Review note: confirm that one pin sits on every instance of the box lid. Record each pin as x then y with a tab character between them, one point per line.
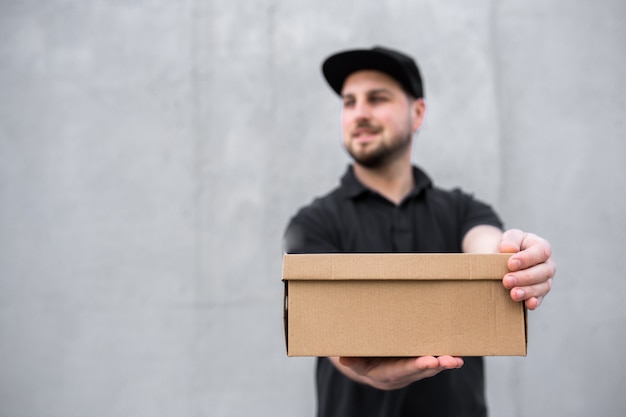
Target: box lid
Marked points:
395	266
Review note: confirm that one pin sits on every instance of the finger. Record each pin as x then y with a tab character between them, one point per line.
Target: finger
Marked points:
426	367
531	276
346	361
422	363
531	291
405	370
450	362
511	241
533	302
534	250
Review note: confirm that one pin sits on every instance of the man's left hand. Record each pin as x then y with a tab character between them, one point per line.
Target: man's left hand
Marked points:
531	265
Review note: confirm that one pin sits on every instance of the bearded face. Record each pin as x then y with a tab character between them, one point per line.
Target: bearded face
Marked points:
381	149
378	119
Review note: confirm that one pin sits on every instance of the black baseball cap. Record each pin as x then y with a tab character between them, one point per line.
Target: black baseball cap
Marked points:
397	65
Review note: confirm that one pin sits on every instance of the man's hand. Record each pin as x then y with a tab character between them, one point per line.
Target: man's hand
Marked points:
394	373
531	265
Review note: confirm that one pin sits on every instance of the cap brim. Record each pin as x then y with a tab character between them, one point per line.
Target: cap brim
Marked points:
338	67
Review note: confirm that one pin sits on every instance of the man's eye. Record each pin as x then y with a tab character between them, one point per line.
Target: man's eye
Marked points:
348	103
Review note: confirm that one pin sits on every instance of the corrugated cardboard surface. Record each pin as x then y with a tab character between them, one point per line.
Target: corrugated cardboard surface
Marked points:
400	305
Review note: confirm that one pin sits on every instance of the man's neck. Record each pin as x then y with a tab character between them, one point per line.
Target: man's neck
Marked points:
394	182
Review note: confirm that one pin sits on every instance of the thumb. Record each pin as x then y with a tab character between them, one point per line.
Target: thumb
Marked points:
511	241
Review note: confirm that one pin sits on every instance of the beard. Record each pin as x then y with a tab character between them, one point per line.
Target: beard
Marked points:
383	154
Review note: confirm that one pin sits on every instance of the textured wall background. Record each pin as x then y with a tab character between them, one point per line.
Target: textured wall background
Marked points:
151	153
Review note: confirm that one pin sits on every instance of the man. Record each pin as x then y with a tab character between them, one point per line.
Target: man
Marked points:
385	204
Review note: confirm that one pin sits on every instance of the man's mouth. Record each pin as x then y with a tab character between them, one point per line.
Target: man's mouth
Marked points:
365	132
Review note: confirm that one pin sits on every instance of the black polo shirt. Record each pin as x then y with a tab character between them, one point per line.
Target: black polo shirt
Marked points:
353	218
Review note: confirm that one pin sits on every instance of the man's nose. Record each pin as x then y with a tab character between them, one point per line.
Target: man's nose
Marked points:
362	110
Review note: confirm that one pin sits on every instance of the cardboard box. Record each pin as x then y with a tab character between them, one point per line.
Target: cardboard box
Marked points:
400	305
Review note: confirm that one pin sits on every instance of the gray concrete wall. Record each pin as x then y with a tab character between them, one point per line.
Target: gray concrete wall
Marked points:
151	153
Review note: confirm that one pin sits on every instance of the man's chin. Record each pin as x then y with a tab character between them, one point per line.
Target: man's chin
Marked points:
368	161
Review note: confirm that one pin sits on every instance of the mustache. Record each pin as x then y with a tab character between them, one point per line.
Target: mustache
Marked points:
365	125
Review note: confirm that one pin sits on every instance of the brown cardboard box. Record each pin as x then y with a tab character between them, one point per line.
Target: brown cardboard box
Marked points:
400	305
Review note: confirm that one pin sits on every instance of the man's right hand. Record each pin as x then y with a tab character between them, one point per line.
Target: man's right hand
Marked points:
394	373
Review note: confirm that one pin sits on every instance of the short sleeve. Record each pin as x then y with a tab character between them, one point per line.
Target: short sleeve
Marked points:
473	212
311	231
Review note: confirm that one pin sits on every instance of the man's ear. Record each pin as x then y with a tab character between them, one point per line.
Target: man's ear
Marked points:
419	113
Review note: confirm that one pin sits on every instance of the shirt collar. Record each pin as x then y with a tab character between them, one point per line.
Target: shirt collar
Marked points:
354	188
